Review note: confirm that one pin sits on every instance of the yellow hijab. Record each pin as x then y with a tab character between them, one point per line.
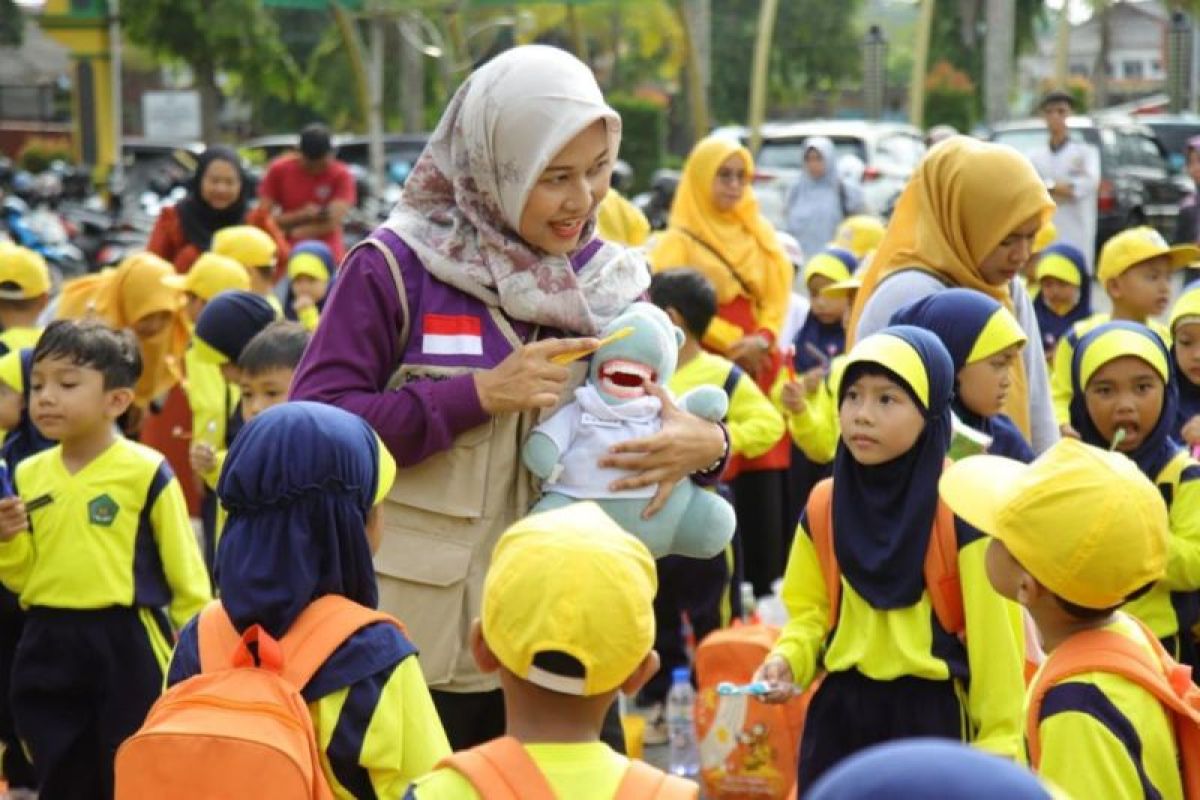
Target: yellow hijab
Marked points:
741	237
963	199
122	296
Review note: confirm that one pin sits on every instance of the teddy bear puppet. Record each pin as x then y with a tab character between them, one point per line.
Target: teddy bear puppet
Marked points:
613	406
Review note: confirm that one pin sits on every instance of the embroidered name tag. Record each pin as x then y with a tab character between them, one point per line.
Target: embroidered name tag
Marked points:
452	335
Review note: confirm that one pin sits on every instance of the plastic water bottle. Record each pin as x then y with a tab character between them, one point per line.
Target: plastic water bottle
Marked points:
684	759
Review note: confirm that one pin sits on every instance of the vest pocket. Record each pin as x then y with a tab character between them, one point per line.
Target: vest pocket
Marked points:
422	581
452	483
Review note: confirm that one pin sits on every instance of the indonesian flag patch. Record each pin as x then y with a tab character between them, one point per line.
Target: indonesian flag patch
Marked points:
452	335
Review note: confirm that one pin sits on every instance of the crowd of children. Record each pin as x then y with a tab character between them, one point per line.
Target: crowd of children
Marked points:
942	579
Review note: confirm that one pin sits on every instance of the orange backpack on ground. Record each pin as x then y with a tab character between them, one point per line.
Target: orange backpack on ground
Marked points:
240	729
748	749
941	560
1156	672
503	770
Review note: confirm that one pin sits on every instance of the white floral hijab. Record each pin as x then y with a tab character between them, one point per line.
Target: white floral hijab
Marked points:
463	201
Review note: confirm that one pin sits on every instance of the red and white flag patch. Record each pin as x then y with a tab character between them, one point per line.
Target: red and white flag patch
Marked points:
452	335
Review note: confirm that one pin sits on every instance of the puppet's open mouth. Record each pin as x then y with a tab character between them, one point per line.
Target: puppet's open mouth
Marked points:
624	379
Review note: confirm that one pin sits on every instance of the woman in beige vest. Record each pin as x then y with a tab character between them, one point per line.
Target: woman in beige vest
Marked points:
442	330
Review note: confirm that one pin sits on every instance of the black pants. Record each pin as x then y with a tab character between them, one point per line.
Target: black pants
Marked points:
851	712
758	501
82	684
697	586
15	766
472	718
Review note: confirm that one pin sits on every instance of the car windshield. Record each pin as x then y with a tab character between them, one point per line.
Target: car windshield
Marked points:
1174	136
787	153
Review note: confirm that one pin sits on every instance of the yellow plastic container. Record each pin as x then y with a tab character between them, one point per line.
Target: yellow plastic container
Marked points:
635	731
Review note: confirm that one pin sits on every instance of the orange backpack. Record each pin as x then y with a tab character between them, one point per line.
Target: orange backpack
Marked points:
1156	672
240	729
503	770
748	749
941	560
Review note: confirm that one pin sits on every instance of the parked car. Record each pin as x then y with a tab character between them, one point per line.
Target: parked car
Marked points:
879	155
1137	186
1173	132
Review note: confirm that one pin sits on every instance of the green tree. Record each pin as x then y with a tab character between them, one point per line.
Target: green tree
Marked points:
12	24
236	37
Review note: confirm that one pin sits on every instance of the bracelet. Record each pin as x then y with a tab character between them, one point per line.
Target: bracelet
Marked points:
713	467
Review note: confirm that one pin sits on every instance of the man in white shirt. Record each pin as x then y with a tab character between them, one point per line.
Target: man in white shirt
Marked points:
1071	169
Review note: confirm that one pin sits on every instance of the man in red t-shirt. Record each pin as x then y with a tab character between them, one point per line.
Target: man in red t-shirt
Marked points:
309	193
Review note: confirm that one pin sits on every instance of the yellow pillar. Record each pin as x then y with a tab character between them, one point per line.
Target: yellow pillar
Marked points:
84	33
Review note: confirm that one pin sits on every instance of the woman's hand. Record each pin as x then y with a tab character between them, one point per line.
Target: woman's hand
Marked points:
527	378
1191	431
777	673
751	353
685	445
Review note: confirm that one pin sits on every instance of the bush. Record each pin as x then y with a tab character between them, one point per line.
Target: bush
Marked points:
38	151
949	98
644	136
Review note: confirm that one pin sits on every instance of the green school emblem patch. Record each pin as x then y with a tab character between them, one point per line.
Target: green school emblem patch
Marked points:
102	511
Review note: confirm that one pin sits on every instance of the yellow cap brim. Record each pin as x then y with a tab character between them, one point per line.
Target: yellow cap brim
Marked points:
842	288
1001	332
180	282
387	471
1054	265
1183	255
897	355
827	266
207	353
975	488
308	265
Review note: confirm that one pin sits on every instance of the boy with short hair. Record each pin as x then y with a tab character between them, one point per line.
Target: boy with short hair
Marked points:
24	293
1135	270
267	365
567	622
96	541
1076	534
701	586
255	250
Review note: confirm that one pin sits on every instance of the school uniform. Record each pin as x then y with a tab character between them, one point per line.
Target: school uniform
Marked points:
1104	736
109	548
19	338
891	669
1171	607
584	771
1066	263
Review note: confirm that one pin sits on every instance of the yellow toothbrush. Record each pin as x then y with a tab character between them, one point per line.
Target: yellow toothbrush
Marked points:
575	355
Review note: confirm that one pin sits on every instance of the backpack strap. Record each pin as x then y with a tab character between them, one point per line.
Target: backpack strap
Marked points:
320	629
942	579
1108	651
501	770
394	267
644	782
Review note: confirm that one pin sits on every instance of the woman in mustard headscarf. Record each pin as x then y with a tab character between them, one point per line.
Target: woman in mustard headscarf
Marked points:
134	297
716	228
968	219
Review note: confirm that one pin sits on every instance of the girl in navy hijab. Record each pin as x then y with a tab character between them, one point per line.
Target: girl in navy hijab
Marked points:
983	338
1064	293
891	669
303	485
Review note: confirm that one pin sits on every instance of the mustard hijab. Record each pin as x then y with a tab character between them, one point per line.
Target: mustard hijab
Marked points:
122	296
964	198
754	263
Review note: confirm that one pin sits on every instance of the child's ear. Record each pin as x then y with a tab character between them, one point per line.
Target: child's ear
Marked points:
118	401
1028	589
644	672
484	657
1112	287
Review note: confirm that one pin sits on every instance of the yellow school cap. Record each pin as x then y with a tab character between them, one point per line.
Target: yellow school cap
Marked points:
387	471
25	269
1118	342
842	288
570	581
1132	247
249	246
1187	309
308	264
896	355
860	234
10	371
833	263
210	275
1086	523
1056	265
999	333
1045	236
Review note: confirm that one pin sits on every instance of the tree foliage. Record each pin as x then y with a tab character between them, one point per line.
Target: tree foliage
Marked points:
12	24
959	29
